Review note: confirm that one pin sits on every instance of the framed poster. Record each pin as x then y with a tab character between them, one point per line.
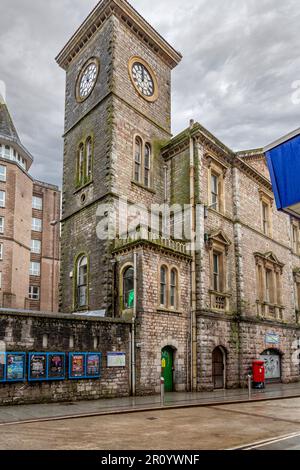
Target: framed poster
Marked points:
15	367
2	366
116	359
93	365
56	366
77	365
37	367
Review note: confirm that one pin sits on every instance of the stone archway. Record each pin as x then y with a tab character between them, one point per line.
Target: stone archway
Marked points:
219	366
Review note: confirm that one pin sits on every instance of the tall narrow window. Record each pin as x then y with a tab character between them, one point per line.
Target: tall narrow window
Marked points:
216	272
81	164
82	281
163	286
2	172
214	192
1	224
89	158
1	251
173	288
295	231
2	198
269	286
265	218
147	165
137	160
128	288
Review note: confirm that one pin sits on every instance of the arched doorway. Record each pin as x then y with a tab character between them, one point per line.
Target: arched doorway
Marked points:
167	359
219	368
272	359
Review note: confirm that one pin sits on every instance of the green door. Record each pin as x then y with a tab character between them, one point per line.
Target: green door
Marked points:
167	368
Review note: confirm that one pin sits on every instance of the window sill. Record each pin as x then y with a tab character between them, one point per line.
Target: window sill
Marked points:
142	186
80	188
168	310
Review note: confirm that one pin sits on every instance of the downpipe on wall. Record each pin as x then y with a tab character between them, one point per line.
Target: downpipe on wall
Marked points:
133	365
193	266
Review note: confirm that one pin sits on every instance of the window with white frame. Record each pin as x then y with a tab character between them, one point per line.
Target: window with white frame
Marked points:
36	246
36	225
1	224
34	293
2	198
37	203
3	173
1	251
35	268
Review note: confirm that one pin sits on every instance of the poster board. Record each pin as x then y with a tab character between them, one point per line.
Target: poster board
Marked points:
116	359
93	365
84	365
37	367
56	366
15	367
2	366
46	366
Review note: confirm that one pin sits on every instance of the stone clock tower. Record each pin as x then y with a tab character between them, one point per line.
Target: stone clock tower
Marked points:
118	96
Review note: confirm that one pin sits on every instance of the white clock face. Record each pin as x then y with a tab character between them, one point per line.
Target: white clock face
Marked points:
143	79
87	80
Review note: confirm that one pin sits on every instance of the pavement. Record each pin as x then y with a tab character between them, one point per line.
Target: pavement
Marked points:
198	428
64	410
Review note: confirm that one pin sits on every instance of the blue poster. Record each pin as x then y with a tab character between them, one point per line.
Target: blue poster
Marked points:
15	367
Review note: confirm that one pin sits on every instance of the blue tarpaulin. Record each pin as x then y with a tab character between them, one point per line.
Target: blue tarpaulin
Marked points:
283	158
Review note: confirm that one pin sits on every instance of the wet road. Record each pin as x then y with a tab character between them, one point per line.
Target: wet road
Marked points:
199	428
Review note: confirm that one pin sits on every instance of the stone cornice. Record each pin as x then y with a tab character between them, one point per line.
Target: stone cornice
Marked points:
214	146
131	18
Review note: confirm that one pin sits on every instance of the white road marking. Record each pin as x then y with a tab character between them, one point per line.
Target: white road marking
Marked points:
262	443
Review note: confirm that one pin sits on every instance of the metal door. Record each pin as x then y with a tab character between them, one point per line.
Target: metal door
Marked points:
218	368
272	366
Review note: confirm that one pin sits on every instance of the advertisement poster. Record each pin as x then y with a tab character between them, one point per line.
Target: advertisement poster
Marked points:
38	366
93	365
2	367
116	359
56	366
78	365
15	367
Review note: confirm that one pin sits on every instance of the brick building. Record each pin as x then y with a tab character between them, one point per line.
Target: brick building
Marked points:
206	313
29	228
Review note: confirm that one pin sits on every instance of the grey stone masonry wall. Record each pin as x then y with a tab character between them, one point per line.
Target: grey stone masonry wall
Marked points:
24	332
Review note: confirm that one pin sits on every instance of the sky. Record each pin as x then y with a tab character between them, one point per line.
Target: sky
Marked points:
239	75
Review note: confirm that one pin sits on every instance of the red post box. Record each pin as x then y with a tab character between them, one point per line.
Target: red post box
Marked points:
258	372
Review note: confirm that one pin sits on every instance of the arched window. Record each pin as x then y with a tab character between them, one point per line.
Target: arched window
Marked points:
173	288
81	164
82	281
128	288
163	286
89	147
137	159
147	165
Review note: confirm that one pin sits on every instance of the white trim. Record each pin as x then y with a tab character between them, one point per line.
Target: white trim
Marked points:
282	140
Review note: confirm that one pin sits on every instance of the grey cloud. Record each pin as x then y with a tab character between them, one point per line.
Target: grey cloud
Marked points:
240	60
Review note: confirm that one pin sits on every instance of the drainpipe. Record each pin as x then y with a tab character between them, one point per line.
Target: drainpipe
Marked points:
193	267
133	376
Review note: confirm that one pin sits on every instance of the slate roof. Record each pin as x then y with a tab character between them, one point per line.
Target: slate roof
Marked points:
7	127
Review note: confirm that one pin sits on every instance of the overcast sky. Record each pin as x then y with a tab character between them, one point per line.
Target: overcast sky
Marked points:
241	58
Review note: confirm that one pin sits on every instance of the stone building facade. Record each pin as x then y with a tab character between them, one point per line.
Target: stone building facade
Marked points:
205	304
29	228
